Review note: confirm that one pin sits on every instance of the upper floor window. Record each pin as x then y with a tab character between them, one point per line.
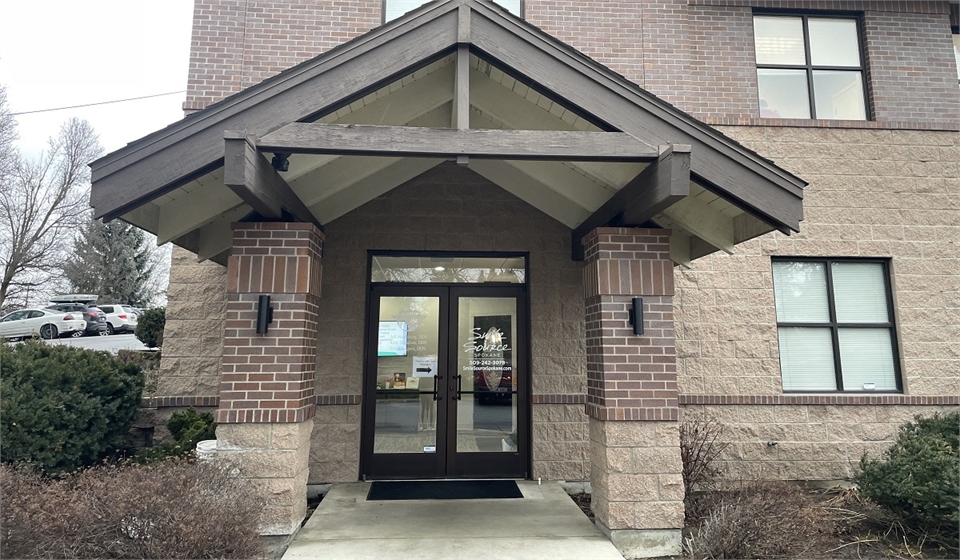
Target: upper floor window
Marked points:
835	325
809	67
392	9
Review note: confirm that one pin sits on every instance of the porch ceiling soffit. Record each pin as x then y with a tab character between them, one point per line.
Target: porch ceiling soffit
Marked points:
497	99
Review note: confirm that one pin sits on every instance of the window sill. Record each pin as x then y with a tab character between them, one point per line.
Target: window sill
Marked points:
945	125
820	399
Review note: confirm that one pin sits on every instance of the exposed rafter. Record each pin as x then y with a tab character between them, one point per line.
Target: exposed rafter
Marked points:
703	222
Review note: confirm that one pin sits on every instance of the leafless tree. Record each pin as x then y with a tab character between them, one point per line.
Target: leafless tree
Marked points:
8	138
42	203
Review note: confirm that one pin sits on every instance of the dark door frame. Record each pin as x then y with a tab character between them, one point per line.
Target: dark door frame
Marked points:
443	464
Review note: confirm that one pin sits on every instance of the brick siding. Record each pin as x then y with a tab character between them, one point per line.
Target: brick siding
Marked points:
629	377
239	43
696	54
270	377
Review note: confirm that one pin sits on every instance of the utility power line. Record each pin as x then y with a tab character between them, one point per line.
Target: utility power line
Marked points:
99	103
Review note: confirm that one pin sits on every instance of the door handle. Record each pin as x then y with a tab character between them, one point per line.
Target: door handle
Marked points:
459	387
436	387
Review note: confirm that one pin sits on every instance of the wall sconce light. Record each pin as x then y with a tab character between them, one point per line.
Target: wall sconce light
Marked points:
636	316
264	314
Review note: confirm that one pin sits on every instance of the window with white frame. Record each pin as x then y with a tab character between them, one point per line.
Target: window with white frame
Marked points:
835	325
392	9
809	67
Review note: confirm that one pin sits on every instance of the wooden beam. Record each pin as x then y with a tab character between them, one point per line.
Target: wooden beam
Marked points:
463	24
402	141
248	174
662	184
461	89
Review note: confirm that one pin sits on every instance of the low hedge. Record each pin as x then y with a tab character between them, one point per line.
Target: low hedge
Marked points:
65	408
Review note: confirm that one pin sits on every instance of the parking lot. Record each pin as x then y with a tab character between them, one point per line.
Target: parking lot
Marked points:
108	343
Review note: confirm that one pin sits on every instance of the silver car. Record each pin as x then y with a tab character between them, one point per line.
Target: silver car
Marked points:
45	323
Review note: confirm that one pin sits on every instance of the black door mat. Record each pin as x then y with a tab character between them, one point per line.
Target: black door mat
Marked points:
444	490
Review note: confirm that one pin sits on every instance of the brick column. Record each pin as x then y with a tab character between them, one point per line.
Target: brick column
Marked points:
267	398
632	391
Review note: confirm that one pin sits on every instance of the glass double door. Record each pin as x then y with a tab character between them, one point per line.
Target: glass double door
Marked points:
445	390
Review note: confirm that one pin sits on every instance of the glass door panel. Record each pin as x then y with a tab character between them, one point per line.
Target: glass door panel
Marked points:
487	403
406	410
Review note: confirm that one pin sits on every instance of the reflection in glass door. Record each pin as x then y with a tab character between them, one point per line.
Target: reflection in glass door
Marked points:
445	387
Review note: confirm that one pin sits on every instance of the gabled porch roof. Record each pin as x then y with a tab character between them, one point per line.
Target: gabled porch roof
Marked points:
455	79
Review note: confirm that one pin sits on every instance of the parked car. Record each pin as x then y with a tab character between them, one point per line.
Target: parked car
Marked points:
84	305
45	323
120	318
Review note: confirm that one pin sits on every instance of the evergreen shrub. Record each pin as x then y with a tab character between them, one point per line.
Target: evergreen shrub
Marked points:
150	327
918	477
64	408
188	428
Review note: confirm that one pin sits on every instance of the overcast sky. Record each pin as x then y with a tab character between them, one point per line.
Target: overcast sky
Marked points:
58	53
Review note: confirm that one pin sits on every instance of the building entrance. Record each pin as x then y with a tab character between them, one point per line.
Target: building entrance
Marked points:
446	385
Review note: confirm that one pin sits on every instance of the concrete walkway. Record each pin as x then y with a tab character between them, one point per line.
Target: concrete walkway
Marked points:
545	523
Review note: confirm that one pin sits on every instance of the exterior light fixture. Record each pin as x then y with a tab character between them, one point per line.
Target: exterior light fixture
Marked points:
264	314
636	316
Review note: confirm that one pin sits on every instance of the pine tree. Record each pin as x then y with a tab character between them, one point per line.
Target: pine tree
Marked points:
113	262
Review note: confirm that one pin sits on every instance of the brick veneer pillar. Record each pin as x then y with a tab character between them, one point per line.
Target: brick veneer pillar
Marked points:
632	399
267	399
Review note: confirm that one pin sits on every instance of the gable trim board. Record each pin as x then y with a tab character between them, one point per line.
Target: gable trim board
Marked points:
126	180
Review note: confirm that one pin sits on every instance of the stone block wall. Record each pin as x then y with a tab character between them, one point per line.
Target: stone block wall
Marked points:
193	338
805	442
273	457
872	193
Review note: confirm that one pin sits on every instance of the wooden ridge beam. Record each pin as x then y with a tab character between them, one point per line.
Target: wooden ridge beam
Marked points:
248	174
662	184
403	141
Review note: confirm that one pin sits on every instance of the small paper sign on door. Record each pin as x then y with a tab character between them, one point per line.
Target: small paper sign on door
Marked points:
424	366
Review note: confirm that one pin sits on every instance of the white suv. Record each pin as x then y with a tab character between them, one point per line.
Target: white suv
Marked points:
120	318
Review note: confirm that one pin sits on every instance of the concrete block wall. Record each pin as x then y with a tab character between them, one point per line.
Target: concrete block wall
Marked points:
450	208
273	458
872	193
193	338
